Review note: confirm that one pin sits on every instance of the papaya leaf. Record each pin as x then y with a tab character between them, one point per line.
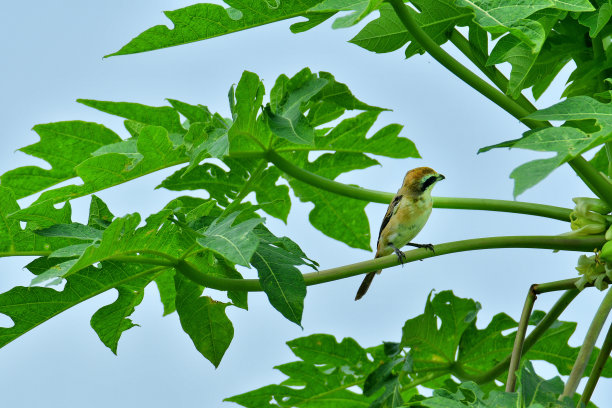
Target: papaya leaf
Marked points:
15	240
112	320
247	133
100	216
360	9
63	145
597	20
521	56
163	116
287	97
202	21
242	178
284	284
387	33
336	216
498	16
236	243
107	170
193	113
203	319
323	377
29	307
568	142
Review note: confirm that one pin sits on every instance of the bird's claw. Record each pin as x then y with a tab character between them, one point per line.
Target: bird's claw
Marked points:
401	257
426	246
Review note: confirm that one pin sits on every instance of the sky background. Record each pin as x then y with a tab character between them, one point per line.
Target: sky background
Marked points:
52	55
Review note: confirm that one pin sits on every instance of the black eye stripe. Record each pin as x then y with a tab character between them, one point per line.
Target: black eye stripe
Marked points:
430	180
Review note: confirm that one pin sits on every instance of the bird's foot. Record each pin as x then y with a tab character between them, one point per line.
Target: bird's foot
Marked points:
401	257
426	246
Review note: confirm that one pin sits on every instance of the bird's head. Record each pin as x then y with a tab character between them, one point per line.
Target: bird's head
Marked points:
421	180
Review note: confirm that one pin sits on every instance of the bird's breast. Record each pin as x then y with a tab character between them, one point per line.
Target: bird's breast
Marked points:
409	217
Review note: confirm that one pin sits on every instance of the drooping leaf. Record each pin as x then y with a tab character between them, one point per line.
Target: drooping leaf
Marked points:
63	145
29	307
112	320
202	21
203	319
282	282
74	230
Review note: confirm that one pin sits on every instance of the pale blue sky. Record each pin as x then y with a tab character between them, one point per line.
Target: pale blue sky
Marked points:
52	55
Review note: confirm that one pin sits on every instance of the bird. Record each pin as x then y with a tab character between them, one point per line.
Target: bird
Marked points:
406	216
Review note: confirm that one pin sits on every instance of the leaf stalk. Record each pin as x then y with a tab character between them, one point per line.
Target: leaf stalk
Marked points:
515	357
587	346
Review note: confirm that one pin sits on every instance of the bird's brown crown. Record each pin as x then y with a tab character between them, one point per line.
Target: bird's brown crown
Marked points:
413	181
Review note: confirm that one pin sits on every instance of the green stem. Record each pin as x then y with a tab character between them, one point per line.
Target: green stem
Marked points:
360	193
587	346
459	70
424	379
517	349
327	184
609	156
581	244
143	260
585	171
591	177
598	367
533	337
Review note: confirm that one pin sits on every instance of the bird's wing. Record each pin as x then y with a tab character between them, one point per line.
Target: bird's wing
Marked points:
389	213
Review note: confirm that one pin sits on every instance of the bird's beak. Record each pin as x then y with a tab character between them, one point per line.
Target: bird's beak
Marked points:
441	177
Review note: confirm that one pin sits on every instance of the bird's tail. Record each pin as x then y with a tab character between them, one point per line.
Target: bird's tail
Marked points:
365	284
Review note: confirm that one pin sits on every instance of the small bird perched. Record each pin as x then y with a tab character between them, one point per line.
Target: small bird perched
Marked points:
405	217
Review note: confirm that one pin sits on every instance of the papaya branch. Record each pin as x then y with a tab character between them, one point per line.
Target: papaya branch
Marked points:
580	244
541	210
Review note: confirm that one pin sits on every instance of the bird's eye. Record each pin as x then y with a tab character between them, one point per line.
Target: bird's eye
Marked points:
428	182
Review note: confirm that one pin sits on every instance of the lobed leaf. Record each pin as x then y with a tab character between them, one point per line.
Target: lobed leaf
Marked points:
63	145
107	170
500	16
29	307
203	319
202	21
387	33
237	243
338	217
322	378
